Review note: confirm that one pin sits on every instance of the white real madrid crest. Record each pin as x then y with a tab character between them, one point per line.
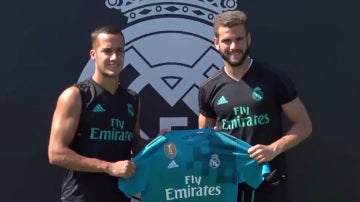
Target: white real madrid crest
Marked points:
170	44
214	161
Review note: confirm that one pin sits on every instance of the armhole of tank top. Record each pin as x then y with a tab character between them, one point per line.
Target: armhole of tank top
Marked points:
86	100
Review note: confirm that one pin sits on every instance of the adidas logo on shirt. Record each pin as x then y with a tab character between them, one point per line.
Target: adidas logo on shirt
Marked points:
98	108
222	101
173	164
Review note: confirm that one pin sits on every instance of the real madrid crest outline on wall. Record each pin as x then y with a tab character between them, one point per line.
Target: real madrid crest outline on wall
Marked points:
170	44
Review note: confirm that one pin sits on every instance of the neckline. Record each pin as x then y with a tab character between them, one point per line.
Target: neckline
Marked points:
247	69
103	88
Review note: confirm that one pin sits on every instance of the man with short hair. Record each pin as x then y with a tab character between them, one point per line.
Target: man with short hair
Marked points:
95	126
247	99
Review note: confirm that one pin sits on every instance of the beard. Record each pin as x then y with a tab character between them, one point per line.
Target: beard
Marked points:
226	57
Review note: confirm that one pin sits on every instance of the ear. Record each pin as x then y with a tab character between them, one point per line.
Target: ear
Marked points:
92	54
216	42
248	38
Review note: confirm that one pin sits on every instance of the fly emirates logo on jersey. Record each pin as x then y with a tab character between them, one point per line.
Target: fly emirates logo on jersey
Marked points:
244	118
115	133
193	189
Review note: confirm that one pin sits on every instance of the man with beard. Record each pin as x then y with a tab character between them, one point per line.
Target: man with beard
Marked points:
247	99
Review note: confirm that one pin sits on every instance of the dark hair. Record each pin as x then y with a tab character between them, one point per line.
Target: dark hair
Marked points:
107	29
229	19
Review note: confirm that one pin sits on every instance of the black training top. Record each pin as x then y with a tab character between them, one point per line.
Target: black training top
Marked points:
249	109
105	132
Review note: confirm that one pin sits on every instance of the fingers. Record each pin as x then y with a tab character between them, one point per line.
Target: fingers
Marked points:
128	174
253	149
123	169
129	169
259	158
261	153
257	153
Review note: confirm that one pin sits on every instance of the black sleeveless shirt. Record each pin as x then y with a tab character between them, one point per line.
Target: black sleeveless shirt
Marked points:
105	132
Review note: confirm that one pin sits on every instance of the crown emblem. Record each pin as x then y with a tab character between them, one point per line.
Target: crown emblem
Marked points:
204	10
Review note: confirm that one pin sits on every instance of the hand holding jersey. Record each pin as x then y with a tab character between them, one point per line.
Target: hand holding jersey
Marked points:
124	169
262	153
248	99
95	126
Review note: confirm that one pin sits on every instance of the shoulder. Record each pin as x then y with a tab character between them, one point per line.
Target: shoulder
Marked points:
268	70
279	79
84	85
70	97
213	80
128	94
131	92
261	66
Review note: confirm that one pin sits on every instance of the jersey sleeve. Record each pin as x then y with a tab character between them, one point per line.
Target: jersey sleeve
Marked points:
204	102
254	173
138	182
250	171
286	87
135	184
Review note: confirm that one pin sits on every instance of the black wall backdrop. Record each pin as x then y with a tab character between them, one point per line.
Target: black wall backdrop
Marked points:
45	46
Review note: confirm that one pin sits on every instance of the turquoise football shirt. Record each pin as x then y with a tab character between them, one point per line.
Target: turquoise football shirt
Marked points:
193	165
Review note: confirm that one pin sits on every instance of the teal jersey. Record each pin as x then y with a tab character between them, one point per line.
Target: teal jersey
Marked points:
193	165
